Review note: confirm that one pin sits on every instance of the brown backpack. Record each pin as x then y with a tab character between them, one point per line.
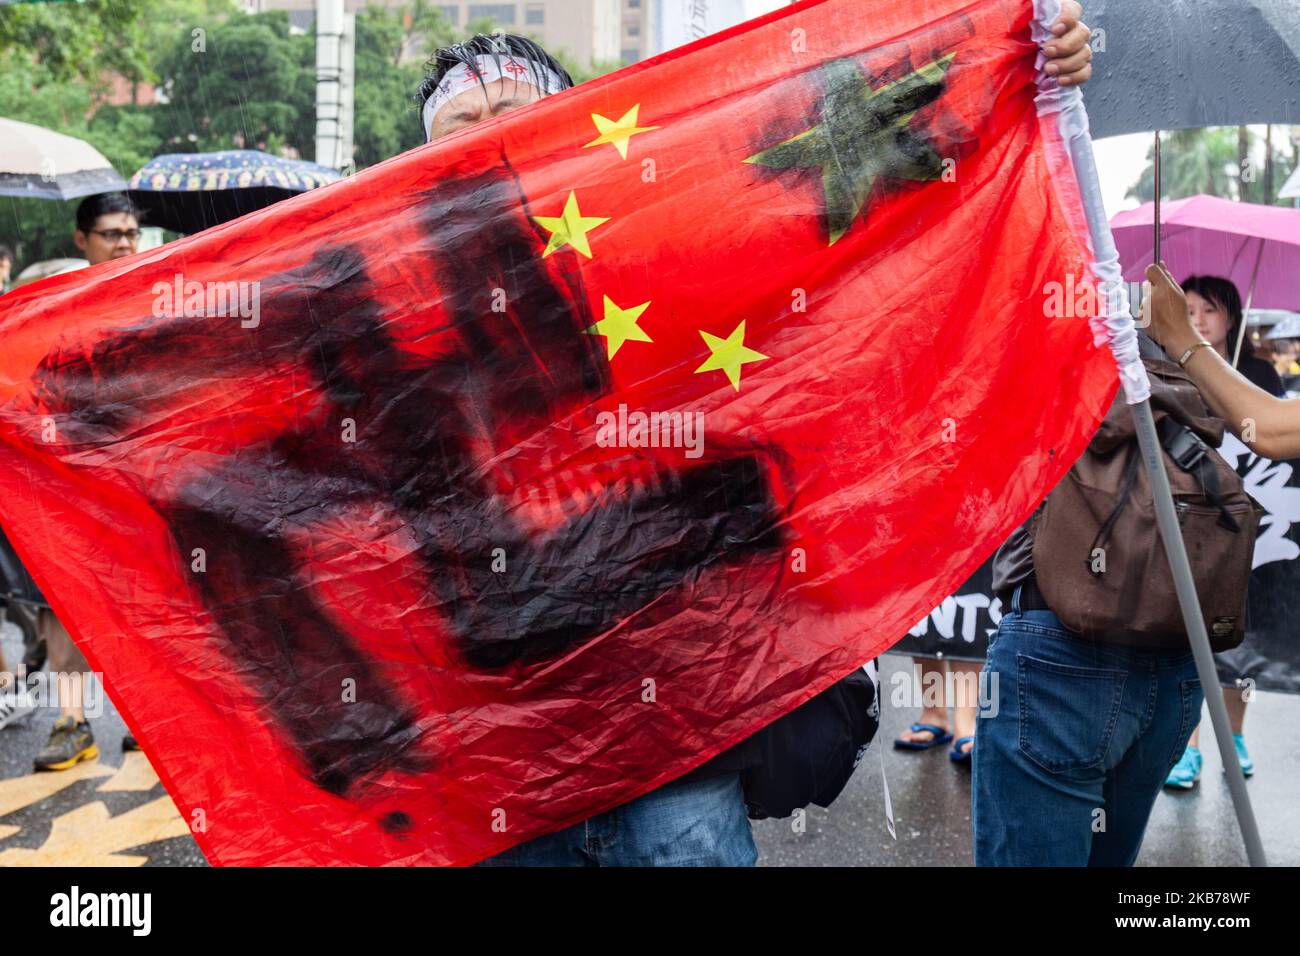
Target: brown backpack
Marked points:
1099	561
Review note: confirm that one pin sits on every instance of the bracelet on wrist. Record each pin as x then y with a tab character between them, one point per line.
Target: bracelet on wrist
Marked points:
1202	344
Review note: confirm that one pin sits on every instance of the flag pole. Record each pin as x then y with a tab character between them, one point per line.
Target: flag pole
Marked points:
1065	107
1245	312
1155	219
1185	585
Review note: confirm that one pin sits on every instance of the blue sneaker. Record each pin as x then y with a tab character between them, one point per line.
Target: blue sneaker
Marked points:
1186	772
1243	755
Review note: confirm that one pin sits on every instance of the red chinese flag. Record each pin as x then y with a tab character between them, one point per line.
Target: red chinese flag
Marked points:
456	502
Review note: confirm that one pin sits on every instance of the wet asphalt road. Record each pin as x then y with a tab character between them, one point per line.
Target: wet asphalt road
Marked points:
92	815
931	802
116	806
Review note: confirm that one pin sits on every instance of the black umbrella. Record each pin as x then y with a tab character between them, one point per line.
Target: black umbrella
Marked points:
1184	64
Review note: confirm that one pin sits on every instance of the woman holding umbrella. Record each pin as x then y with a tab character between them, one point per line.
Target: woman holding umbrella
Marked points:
1214	307
1269	425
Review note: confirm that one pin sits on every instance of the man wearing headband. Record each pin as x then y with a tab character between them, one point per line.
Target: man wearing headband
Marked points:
484	77
699	819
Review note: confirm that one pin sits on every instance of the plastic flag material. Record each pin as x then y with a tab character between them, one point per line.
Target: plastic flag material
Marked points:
486	490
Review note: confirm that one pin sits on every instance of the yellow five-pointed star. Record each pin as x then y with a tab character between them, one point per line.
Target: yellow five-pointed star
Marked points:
570	228
729	354
619	326
617	132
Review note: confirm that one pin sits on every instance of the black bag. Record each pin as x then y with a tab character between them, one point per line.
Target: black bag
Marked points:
15	583
809	754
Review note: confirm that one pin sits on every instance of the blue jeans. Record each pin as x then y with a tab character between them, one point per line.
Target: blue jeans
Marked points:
701	823
1068	767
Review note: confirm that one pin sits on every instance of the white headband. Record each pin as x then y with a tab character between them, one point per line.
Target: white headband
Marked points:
489	69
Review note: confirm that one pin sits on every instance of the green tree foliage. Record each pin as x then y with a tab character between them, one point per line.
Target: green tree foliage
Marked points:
247	83
56	63
1209	161
391	46
65	101
225	80
77	40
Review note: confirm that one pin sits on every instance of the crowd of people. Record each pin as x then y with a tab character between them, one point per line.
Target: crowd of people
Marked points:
1084	723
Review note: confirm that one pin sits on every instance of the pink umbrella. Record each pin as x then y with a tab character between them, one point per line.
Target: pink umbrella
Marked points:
1257	247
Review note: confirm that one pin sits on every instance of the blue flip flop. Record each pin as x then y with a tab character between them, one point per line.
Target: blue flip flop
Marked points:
957	755
940	736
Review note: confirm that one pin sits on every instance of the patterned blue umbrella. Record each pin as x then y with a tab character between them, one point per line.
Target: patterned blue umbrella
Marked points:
188	192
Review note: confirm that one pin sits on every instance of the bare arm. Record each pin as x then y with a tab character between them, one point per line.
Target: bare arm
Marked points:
1269	425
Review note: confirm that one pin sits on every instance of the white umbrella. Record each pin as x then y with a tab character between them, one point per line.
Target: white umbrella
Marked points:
1287	328
38	163
47	268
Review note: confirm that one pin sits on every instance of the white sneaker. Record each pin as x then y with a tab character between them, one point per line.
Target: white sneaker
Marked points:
15	705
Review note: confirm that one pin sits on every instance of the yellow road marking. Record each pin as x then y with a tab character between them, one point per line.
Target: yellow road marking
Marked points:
89	836
134	774
20	792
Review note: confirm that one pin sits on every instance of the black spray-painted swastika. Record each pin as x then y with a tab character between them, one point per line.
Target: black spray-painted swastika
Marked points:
419	422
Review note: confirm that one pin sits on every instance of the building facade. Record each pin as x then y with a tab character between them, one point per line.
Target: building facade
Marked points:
601	31
589	30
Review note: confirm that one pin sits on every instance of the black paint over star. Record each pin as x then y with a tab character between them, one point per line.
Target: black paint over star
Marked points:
863	134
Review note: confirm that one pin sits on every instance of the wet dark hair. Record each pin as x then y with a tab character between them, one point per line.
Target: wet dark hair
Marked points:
1223	293
6	253
103	204
449	57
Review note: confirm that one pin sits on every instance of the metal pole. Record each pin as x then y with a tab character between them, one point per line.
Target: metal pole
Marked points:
347	89
1245	312
1156	255
1176	552
329	34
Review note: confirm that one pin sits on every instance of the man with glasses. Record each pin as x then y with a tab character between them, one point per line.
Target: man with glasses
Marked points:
107	228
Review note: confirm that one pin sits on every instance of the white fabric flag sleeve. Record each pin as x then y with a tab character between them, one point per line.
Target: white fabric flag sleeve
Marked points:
1111	321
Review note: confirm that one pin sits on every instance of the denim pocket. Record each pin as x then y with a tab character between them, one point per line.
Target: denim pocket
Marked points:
1067	713
1192	697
